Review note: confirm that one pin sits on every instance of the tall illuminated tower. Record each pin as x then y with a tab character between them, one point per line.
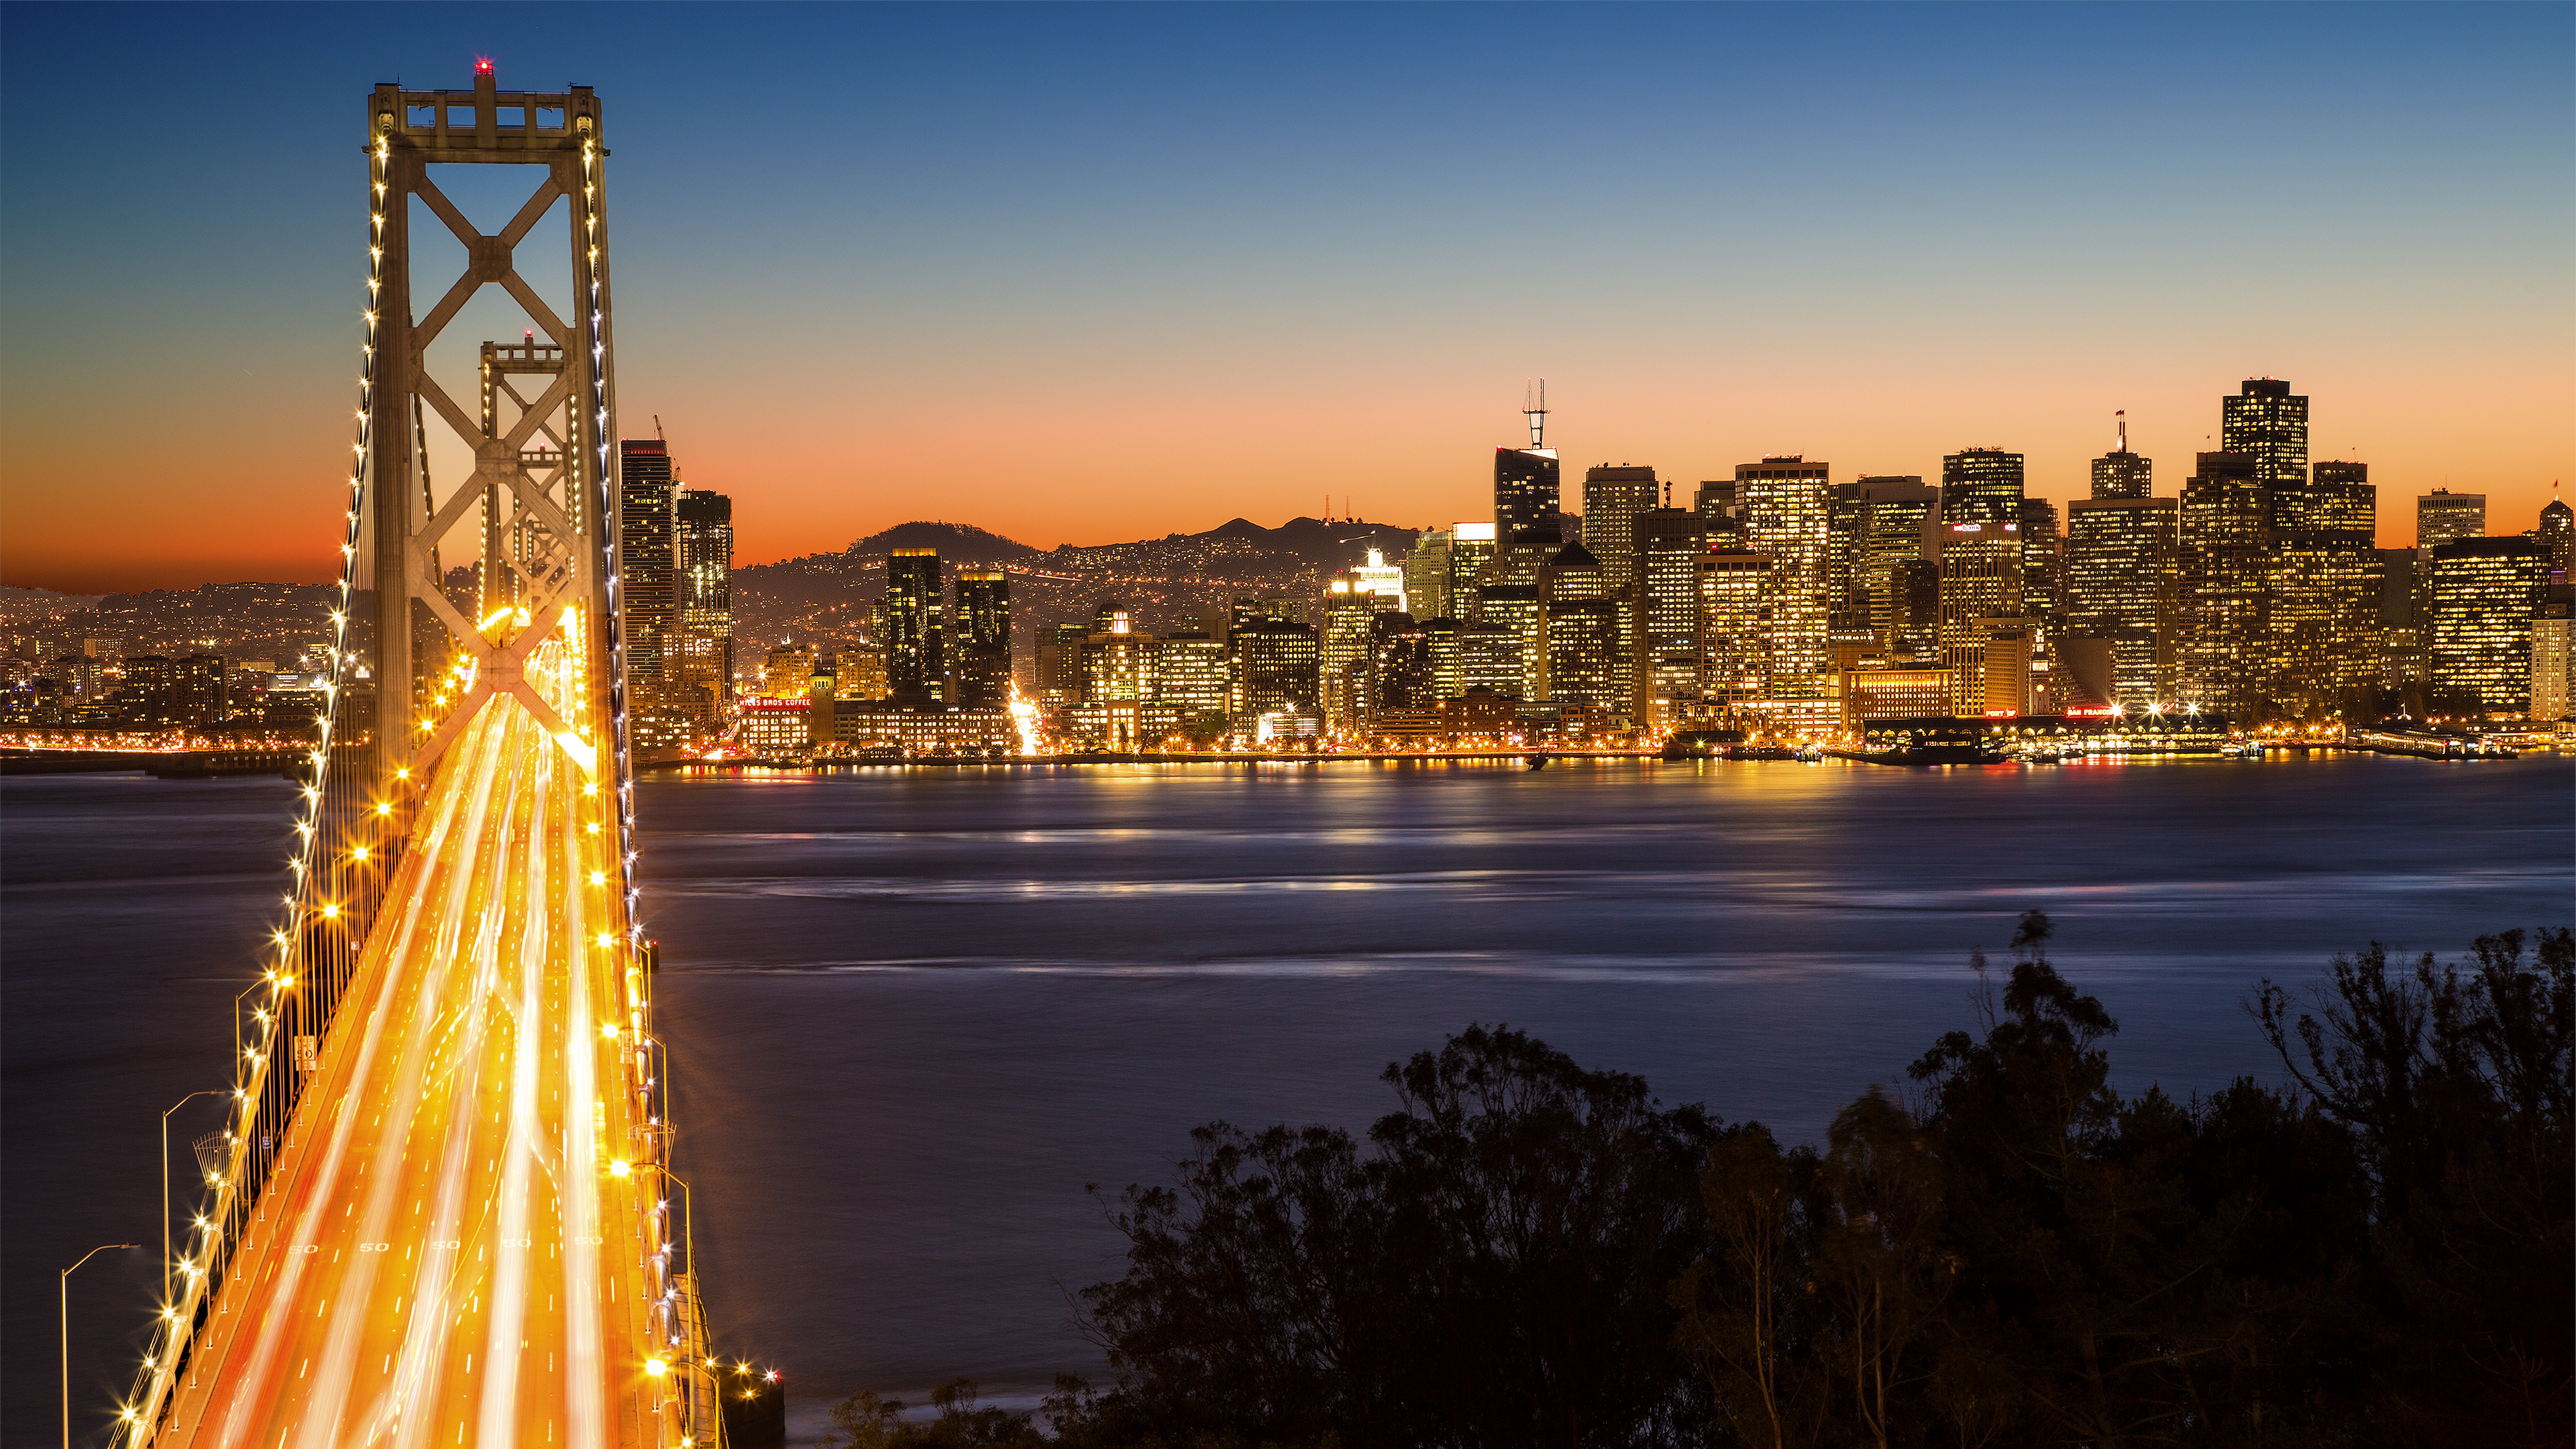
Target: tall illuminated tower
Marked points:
983	638
2268	423
702	676
1614	498
915	664
1981	560
644	518
1787	508
2121	473
2225	549
1526	480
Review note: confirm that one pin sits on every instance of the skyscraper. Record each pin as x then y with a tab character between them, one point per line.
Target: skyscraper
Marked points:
2267	423
2223	576
1899	518
2443	516
916	662
1981	494
983	638
1526	479
1349	603
1614	498
1786	502
648	604
2485	592
2121	473
1735	654
1585	623
2322	606
1426	575
1471	548
703	667
1669	544
1271	659
2557	534
2120	589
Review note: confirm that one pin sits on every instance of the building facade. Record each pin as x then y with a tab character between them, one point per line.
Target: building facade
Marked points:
1981	497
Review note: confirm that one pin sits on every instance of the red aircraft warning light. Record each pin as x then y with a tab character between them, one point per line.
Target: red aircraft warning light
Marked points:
482	65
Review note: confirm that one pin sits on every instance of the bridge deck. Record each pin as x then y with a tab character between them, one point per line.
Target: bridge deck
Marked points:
451	1250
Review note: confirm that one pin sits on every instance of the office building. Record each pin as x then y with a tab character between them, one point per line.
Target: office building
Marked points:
1517	609
1426	575
1471	551
1525	490
2264	421
859	675
2122	473
2485	592
1059	665
2321	610
1897	524
1669	544
2401	580
2222	577
1118	662
2553	669
915	631
788	672
1386	580
2557	535
1398	695
701	670
982	650
2005	661
1272	662
2443	516
1614	498
2120	590
1735	653
1190	676
1350	602
1586	631
1981	497
1787	510
2043	560
647	600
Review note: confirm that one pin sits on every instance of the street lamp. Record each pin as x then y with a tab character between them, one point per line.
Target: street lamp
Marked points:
165	1182
66	1302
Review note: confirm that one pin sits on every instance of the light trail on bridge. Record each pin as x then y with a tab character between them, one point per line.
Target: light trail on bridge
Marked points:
462	1240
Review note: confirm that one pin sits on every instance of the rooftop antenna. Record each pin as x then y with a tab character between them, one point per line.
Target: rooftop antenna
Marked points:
2123	416
1534	408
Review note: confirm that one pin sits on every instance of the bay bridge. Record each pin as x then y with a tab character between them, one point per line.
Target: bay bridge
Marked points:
442	1210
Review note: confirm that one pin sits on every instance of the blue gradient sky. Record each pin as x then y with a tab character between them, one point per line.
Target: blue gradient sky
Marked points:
1083	273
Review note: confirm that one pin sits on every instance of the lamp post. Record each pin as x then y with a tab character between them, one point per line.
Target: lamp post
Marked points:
165	1183
65	1299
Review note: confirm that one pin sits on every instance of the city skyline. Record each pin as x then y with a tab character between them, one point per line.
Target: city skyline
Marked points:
1243	254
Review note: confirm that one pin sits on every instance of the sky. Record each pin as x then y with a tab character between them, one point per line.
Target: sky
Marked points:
1080	274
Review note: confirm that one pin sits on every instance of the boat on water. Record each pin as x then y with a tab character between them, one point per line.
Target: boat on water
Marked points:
1535	762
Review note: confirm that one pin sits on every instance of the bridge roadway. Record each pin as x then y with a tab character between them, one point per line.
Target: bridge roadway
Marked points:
453	1248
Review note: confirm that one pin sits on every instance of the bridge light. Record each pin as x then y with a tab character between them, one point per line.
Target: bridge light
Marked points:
620	1168
657	1367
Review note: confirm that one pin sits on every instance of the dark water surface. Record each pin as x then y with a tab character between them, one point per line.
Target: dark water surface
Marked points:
913	1013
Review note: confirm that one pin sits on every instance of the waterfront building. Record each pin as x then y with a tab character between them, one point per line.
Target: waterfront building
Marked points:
2443	516
1398	695
2266	422
1735	657
1614	498
1914	609
701	669
1787	510
2007	656
2224	548
1892	693
647	602
775	727
1981	497
2321	634
983	652
1669	544
915	633
1426	574
2120	589
926	730
2485	593
2043	589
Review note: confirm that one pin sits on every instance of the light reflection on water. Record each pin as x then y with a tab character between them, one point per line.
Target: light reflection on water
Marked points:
913	1012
